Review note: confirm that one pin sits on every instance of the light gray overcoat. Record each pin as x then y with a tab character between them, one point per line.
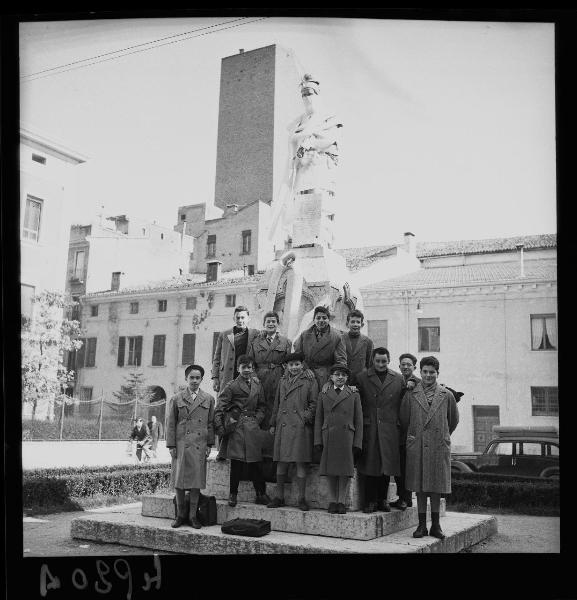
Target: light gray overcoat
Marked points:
338	427
190	429
224	356
293	416
428	433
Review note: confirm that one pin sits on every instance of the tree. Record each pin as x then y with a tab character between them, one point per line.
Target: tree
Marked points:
46	336
135	388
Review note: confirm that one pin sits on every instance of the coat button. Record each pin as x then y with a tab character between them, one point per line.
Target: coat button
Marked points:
283	424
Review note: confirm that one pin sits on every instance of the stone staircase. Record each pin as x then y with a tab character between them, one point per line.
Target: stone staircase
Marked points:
293	531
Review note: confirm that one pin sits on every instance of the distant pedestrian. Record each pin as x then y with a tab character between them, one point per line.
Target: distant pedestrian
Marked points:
155	433
141	435
338	435
428	416
189	437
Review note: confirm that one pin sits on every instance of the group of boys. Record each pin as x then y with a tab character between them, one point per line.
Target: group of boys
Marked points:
330	393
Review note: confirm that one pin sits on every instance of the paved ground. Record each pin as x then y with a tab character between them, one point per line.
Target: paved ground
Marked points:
49	535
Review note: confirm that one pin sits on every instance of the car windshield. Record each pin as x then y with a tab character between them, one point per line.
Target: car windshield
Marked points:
501	448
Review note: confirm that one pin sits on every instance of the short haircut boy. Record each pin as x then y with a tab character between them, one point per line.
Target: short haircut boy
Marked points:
295	356
271	314
322	309
245	360
356	313
196	368
381	350
429	361
412	358
241	309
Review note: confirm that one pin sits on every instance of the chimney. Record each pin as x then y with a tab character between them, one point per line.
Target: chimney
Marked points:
241	50
230	209
520	248
409	244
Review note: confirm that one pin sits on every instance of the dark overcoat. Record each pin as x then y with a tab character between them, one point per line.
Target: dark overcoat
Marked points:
293	416
321	355
245	442
428	434
190	429
360	357
269	361
224	359
381	402
338	427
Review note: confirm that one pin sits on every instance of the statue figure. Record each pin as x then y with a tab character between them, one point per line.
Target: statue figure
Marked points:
314	154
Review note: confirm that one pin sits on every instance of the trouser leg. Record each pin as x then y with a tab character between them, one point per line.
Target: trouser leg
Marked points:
235	475
257	477
194	496
343	489
421	502
281	471
383	488
333	485
370	489
180	504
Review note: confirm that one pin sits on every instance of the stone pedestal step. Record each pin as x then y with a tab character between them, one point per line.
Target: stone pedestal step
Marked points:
352	525
317	493
462	530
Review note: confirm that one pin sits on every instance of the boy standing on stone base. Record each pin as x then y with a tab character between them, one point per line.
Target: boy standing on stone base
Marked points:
189	437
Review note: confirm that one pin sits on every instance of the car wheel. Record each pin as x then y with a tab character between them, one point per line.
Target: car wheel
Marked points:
550	473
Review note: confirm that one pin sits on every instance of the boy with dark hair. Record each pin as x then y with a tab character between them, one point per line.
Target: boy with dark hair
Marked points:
381	390
428	417
321	346
338	435
189	437
359	347
239	412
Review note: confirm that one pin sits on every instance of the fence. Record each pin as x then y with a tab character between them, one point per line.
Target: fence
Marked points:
97	419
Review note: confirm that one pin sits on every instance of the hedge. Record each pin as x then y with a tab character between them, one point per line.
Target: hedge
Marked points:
500	494
61	471
76	428
42	489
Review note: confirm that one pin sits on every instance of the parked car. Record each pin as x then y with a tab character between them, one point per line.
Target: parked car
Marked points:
529	451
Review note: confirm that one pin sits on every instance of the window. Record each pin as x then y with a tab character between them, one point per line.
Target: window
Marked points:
79	265
543	332
230	300
115	281
121	347
39	159
134	351
86	354
211	246
190	302
188	346
501	449
378	332
429	335
545	401
134	308
94	310
32	215
158	345
250	270
183	217
85	393
246	241
551	450
530	448
212	271
162	306
27	300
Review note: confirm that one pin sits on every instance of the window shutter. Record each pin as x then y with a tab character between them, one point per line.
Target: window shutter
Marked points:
80	354
188	347
138	350
121	345
158	350
91	352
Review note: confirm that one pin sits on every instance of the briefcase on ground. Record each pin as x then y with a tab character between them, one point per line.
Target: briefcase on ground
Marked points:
205	511
248	527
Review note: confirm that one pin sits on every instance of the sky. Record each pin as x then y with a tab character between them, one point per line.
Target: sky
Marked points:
449	127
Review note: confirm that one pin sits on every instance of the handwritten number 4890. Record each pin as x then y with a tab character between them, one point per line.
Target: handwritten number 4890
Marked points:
121	568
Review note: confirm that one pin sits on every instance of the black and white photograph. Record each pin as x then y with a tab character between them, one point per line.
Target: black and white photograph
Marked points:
288	286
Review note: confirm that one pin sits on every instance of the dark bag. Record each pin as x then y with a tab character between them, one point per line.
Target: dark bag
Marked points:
248	527
205	512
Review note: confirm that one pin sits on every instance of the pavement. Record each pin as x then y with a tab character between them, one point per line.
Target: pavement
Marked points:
49	535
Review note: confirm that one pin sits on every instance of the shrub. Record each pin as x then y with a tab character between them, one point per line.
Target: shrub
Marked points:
77	428
505	494
54	487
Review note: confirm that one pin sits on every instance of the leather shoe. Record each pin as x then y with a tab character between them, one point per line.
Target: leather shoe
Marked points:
437	532
262	499
333	508
303	504
178	522
276	503
232	500
371	507
384	506
400	504
420	532
341	509
194	522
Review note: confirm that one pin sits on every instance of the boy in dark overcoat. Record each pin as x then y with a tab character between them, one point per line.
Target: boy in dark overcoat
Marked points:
381	390
241	408
189	437
429	415
292	426
321	345
359	347
338	435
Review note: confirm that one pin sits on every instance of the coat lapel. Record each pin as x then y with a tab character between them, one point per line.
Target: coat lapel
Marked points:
230	337
376	380
297	383
420	397
436	403
317	346
338	398
352	352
